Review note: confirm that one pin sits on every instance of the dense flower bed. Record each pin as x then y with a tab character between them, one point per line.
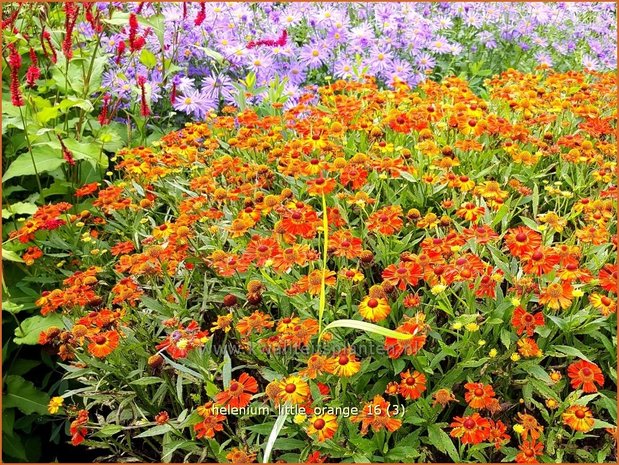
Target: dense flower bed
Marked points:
386	275
197	54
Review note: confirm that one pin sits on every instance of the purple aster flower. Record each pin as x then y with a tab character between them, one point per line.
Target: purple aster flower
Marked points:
425	62
440	45
314	55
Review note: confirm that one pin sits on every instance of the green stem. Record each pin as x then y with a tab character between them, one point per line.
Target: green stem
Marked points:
36	172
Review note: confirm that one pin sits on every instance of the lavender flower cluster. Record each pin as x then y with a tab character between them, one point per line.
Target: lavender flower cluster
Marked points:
209	48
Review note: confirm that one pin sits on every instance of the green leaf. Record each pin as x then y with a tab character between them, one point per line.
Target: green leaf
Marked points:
29	330
45	158
19	208
227	369
11	256
443	442
108	430
277	427
148	59
367	327
571	351
25	396
155	431
87	151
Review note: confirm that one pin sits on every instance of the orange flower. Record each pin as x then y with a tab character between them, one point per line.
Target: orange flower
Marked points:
376	414
386	221
323	426
522	241
498	433
471	430
396	347
238	455
239	392
557	295
293	389
443	397
320	186
585	375
530	426
529	450
257	321
374	310
344	364
103	344
579	418
527	347
478	395
524	321
412	385
403	274
603	303
300	221
541	261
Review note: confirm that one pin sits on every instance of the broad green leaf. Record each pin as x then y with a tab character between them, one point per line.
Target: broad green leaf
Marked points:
148	59
45	158
25	396
19	208
29	330
443	442
571	351
11	256
367	327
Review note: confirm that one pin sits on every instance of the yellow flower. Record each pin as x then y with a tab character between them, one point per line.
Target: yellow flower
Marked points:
438	289
515	301
299	418
54	404
481	342
457	325
577	293
493	353
515	357
518	428
472	327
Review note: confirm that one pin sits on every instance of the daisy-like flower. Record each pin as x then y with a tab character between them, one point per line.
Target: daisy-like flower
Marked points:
478	395
344	364
320	186
396	347
557	295
443	397
498	433
239	392
529	450
471	430
525	321
54	404
211	422
373	309
585	375
387	220
322	427
579	418
412	385
103	344
522	241
293	389
377	415
603	303
529	426
527	347
316	365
